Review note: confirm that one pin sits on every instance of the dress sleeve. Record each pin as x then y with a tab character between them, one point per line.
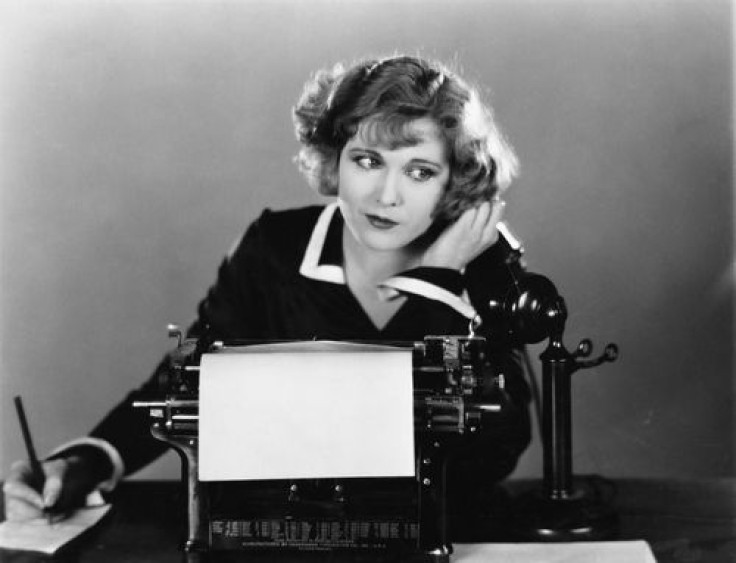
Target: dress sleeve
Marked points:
232	308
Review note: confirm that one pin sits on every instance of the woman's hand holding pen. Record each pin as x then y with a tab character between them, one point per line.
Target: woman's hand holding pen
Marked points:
67	482
466	238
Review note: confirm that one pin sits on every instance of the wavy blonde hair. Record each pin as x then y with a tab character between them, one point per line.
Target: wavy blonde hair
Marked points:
384	96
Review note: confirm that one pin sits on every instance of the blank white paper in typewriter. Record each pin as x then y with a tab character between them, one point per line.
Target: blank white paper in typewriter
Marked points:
306	410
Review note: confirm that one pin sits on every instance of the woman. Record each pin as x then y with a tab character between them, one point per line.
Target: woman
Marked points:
409	248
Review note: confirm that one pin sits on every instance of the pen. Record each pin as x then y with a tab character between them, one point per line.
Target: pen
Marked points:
36	470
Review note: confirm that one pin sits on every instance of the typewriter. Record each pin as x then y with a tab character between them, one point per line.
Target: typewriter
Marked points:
456	394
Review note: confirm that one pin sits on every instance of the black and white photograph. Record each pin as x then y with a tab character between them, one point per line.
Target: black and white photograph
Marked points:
350	280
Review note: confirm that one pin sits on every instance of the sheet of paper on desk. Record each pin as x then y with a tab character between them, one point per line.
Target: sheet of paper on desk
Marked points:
578	552
38	535
306	410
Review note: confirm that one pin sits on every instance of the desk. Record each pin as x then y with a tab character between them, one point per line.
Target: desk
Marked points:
684	522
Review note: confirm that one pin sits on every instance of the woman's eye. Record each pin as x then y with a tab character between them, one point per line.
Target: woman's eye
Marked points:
366	162
421	174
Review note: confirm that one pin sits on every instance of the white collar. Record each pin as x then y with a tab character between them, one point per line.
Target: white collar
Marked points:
311	267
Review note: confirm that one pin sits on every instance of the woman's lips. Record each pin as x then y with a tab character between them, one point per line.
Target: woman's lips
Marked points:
378	222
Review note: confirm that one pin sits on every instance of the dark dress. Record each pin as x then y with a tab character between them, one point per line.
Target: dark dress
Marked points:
284	281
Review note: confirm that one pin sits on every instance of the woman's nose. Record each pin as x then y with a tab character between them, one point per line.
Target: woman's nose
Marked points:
388	192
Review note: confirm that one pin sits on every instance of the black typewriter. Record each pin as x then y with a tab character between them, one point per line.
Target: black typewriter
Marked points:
456	395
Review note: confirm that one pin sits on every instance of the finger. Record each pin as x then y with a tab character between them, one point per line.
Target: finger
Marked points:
467	218
497	214
490	232
18	510
483	212
461	226
52	490
20	471
19	491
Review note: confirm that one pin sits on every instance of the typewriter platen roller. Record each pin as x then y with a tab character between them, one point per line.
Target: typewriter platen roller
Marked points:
456	394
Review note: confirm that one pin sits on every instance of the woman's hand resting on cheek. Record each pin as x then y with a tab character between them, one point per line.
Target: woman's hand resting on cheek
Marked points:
466	238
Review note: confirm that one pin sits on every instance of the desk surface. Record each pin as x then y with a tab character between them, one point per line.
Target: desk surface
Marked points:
683	521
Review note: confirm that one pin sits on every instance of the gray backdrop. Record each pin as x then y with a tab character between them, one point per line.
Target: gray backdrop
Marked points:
140	138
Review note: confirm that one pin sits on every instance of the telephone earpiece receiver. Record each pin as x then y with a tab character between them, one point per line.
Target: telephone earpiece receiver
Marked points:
530	309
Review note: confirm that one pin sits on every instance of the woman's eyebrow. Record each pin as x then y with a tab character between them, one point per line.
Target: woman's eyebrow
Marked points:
363	149
430	162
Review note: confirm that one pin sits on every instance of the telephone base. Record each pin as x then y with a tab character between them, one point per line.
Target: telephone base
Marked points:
579	516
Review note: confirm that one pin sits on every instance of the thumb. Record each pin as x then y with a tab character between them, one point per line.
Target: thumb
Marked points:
52	490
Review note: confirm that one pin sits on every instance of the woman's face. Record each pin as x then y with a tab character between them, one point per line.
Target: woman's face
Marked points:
387	195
